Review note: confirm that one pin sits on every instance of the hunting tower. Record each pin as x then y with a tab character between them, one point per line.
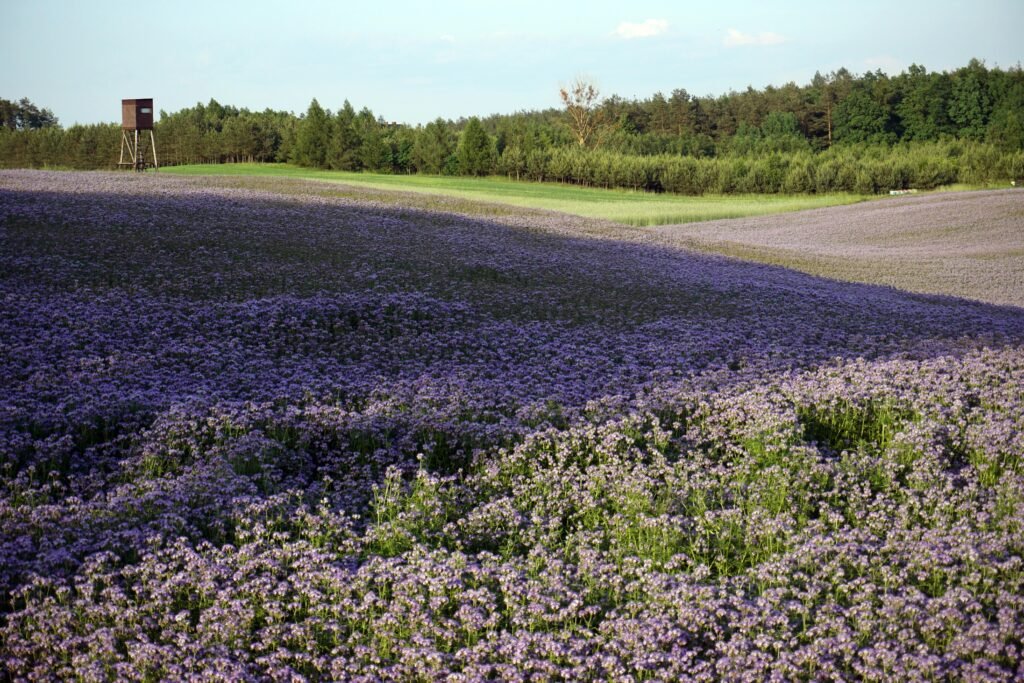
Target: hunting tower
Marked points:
137	115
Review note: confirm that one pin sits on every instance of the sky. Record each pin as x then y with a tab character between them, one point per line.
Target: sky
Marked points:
415	61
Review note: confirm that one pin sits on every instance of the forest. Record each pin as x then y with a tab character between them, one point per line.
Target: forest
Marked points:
839	132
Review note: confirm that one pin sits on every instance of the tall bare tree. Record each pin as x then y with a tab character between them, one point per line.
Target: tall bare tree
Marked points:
581	98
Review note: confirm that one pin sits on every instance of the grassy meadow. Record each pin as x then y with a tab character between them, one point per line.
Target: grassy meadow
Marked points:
622	206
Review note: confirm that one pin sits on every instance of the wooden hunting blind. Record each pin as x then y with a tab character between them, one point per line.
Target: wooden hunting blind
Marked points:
137	115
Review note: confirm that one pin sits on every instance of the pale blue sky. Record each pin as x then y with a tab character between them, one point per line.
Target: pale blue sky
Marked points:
414	61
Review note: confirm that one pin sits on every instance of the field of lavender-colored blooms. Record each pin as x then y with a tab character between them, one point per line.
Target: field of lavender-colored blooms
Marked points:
964	244
262	431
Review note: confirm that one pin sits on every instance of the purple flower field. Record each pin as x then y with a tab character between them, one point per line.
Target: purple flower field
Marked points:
963	244
249	434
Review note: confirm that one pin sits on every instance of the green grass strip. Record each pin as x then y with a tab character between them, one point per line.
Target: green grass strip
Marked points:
622	206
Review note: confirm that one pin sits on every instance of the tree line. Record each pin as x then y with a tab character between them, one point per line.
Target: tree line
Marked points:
23	115
840	132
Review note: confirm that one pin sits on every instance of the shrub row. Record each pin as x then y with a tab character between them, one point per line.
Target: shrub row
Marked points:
849	169
864	170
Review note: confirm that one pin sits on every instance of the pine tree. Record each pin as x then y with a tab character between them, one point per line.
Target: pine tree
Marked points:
373	153
345	141
314	137
476	150
433	148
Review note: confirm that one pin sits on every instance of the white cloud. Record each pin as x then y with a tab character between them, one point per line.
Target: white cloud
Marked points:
646	29
736	38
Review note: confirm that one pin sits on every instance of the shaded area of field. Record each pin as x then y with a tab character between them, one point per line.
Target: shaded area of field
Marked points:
962	244
630	208
278	431
967	244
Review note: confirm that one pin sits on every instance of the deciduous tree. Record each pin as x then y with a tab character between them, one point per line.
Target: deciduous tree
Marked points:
971	105
581	99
